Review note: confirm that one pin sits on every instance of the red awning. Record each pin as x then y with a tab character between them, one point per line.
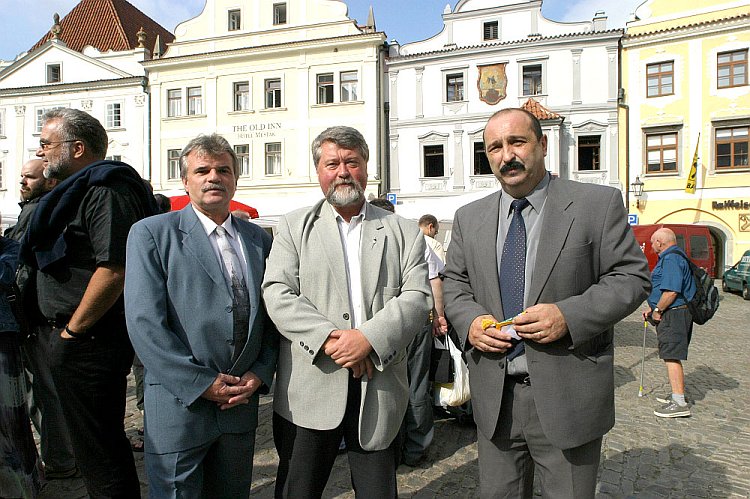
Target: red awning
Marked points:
179	202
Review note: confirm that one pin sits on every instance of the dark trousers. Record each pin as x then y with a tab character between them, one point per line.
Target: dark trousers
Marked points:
306	457
90	376
44	404
417	429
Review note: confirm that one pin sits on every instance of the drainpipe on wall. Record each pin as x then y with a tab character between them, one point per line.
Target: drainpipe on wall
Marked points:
384	168
144	84
626	108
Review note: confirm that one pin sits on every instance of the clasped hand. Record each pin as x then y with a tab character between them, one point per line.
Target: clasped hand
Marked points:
230	391
349	348
542	323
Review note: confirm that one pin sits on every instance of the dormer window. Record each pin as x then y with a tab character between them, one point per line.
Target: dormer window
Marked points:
234	18
279	13
490	30
54	73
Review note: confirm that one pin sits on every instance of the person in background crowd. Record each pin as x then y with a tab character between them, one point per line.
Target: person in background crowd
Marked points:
45	410
672	287
559	259
346	285
384	204
19	467
430	227
76	242
196	319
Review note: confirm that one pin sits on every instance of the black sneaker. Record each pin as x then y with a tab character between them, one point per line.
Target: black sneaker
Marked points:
665	399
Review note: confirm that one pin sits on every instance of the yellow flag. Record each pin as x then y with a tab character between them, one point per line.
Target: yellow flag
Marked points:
690	186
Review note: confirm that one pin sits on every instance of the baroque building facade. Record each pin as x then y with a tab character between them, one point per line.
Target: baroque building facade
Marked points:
492	55
269	77
687	101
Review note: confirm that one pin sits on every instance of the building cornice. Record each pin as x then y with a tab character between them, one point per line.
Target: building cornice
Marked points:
60	88
686	31
262	49
532	42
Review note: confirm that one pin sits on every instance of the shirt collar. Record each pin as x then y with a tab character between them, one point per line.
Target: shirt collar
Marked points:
356	218
210	226
536	197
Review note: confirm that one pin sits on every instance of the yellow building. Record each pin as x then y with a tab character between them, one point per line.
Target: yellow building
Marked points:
685	95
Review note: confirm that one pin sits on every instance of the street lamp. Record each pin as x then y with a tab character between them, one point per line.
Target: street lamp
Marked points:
637	189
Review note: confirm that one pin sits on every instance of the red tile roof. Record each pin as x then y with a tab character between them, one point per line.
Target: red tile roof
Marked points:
541	112
107	25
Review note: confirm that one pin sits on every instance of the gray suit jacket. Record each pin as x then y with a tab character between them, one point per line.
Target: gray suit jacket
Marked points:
178	308
306	291
589	264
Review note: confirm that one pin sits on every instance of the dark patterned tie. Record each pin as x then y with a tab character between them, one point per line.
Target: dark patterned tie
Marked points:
240	296
513	270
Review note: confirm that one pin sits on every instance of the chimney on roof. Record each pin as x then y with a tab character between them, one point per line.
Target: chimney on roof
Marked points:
141	38
157	47
600	21
56	28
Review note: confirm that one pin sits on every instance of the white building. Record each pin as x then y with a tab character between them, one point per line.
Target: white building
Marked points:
268	76
492	55
95	67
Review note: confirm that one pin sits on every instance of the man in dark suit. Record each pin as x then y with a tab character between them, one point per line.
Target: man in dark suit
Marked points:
560	257
195	316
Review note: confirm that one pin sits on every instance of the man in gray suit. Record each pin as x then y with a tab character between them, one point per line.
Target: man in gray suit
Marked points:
198	324
560	257
346	285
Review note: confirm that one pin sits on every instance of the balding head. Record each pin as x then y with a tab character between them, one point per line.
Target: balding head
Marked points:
662	239
33	183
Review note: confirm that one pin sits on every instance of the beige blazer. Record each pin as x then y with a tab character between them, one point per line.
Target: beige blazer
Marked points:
306	293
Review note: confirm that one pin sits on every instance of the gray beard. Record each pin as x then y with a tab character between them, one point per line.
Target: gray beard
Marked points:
54	170
345	197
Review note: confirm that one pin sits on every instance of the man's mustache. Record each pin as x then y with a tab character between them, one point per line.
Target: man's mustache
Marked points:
213	187
512	165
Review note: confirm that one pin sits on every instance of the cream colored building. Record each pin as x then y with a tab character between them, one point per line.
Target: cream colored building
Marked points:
268	76
685	76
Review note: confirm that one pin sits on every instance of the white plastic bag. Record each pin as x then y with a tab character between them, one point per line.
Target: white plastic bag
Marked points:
456	393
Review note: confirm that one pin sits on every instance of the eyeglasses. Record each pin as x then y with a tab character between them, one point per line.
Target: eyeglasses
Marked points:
45	145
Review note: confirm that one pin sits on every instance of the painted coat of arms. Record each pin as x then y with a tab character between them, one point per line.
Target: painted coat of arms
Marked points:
492	83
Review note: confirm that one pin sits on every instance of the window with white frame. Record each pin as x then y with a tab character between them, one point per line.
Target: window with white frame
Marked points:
114	115
324	85
241	91
40	113
481	163
454	87
279	13
114	157
434	160
731	147
661	152
490	30
589	152
194	101
2	122
349	86
660	79
243	158
173	164
174	102
532	79
234	20
273	92
273	158
54	72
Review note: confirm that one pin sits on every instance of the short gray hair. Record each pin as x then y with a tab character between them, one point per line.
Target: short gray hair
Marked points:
80	125
343	136
213	145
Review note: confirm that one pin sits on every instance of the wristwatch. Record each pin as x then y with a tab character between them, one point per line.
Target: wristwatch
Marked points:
657	309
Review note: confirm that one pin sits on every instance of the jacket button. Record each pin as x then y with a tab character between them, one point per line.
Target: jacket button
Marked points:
312	352
346	317
301	344
228	309
307	348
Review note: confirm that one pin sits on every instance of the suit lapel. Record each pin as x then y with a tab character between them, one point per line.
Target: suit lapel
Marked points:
196	243
372	247
332	252
486	244
556	223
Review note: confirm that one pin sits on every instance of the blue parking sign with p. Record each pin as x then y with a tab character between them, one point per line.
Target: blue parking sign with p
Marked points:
633	219
391	197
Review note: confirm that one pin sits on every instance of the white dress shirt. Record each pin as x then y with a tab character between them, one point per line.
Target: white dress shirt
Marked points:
210	227
351	238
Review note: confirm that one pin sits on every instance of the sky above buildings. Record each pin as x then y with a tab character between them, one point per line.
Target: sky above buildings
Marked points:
24	22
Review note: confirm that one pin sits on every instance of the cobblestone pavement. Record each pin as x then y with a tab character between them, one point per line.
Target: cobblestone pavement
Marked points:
704	456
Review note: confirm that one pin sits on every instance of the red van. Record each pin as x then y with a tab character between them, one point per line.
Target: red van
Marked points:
695	241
